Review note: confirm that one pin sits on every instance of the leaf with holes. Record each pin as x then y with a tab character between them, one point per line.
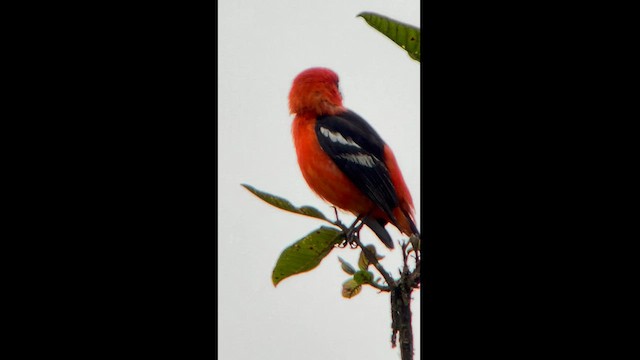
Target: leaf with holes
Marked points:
350	288
406	36
284	204
306	253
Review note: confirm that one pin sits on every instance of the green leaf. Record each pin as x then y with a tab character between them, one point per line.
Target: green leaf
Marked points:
363	262
350	288
415	242
406	36
306	253
284	204
346	266
363	277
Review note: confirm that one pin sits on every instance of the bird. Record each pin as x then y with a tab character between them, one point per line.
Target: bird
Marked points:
344	160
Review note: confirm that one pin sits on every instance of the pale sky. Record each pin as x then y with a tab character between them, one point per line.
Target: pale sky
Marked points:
262	46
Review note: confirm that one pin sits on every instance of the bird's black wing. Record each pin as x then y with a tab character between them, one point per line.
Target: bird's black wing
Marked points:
357	150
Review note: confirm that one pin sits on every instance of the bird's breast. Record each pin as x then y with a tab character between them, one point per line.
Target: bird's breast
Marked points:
322	174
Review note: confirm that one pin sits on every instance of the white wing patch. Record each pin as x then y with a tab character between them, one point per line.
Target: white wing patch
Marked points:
360	159
337	137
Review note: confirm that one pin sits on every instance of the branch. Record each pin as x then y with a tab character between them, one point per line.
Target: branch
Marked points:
400	290
401	320
372	260
348	233
379	286
401	304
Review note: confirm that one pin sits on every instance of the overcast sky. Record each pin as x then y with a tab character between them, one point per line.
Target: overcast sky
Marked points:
262	46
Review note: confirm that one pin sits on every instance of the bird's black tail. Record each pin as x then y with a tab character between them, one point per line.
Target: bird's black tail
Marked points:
378	228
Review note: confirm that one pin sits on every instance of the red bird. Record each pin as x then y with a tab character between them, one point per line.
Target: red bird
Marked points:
344	160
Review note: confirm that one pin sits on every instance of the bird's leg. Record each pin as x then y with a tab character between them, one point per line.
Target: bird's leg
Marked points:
339	224
351	232
354	232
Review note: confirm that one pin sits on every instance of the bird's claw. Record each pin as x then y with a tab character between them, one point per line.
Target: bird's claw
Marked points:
353	233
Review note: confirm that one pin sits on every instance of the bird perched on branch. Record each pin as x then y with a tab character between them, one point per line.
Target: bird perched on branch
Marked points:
344	160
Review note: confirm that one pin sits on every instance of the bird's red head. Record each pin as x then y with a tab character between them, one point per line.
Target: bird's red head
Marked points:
315	91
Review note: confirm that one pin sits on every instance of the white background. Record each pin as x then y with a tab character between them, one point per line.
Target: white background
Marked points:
263	45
